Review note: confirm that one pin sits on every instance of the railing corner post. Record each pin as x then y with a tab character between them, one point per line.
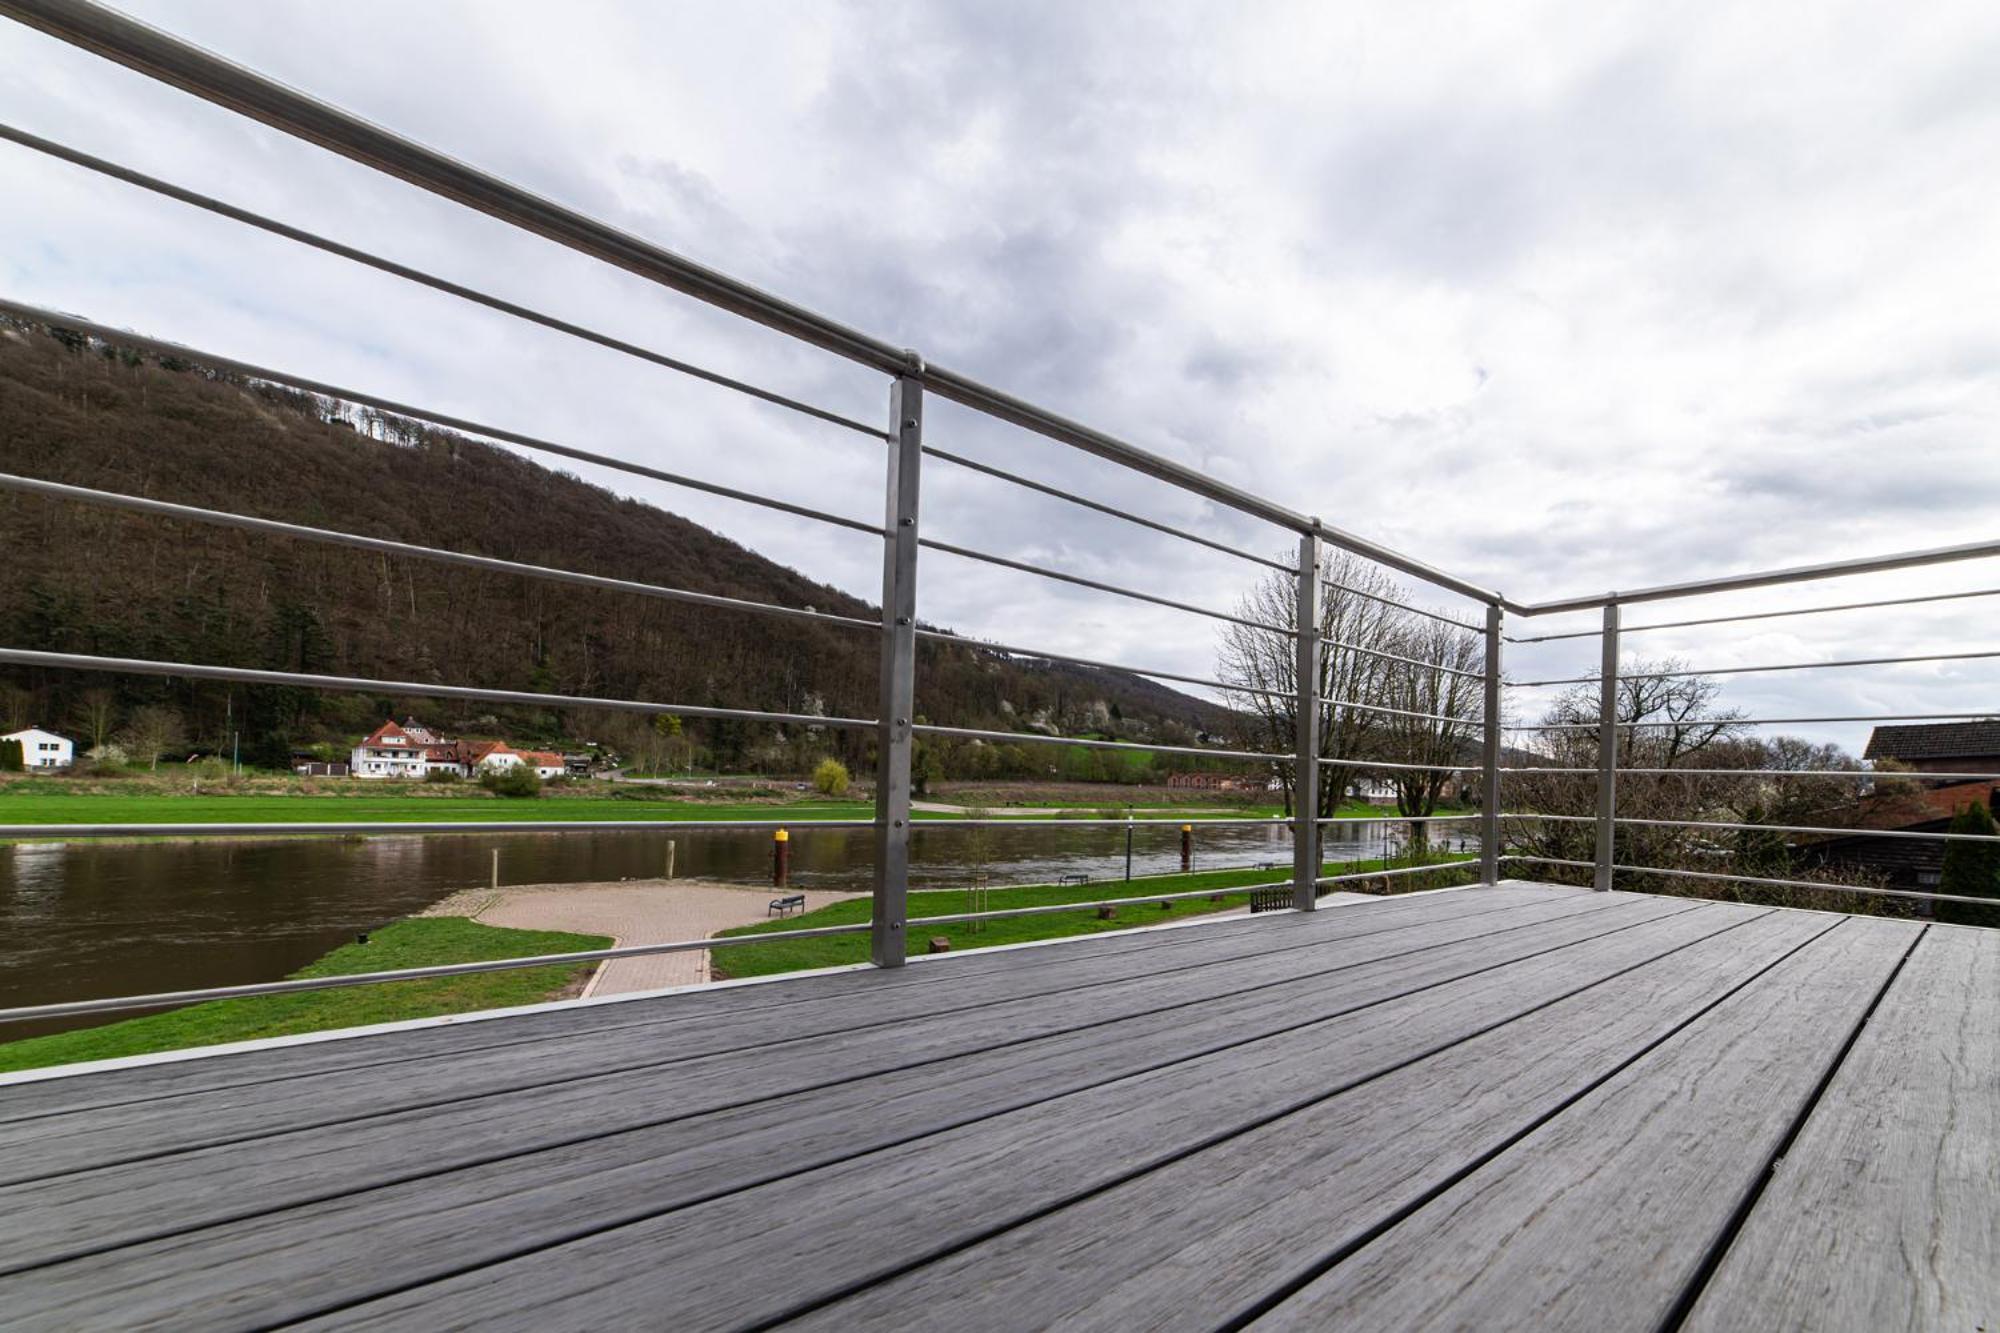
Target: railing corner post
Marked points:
1489	750
1607	752
897	715
1305	762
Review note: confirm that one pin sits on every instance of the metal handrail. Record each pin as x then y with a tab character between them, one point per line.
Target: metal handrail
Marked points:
416	689
126	174
73	1008
1915	894
1398	819
334	537
159	346
1407	661
1464	863
1130	900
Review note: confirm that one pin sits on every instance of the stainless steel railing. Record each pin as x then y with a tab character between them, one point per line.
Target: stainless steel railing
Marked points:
912	380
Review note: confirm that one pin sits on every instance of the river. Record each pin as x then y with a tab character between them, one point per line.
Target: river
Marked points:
81	920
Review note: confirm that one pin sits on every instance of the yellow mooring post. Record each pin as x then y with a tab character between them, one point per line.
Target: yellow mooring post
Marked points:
1187	848
781	857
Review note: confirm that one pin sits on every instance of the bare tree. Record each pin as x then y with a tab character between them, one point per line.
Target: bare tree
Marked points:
96	715
153	731
1379	666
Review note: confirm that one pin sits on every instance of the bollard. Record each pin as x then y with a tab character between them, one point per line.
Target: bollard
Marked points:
1187	848
670	858
496	870
781	858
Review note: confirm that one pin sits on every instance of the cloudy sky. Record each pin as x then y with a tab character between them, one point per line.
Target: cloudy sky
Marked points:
1563	298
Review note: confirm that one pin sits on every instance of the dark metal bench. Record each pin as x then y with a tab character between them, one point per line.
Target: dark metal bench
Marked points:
1073	879
795	902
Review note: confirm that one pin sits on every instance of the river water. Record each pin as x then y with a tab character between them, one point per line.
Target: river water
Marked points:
82	920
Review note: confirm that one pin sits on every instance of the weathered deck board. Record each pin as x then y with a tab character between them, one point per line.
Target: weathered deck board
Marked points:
1507	1106
1600	1219
1204	1238
444	1223
811	1234
892	1026
1882	1214
1097	1040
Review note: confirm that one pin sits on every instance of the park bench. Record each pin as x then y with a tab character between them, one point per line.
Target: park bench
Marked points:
1073	879
792	902
1271	900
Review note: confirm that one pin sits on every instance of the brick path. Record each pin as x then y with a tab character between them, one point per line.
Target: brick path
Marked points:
638	912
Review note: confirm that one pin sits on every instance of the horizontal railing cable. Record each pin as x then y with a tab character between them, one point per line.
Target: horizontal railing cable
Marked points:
359	828
1387	764
1433	868
1548	860
1056	820
1914	834
1685	673
1028	483
1695	723
1037	738
1397	657
415	689
1467	722
386	546
204	74
1405	606
1011	650
73	1008
1004	562
1764	615
161	347
1395	819
1842	773
1048	909
418	276
1806	884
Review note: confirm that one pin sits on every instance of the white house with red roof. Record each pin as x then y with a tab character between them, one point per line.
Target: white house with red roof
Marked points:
392	750
411	750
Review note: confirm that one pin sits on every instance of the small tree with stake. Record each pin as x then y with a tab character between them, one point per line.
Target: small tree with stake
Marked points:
1971	869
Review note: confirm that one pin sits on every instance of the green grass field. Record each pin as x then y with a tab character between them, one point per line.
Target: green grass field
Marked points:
1144	909
416	942
40	807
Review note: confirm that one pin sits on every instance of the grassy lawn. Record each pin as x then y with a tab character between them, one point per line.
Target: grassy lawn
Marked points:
416	942
756	960
45	807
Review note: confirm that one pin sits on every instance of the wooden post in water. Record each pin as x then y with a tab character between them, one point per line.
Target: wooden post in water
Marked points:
1187	848
781	857
670	858
496	870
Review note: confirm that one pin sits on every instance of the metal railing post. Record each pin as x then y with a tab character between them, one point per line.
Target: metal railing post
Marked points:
1305	764
1489	750
894	737
1607	750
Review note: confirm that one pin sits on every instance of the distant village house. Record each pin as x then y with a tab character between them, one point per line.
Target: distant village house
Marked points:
412	751
43	749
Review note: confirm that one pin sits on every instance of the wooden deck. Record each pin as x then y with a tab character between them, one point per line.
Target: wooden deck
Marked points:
1503	1107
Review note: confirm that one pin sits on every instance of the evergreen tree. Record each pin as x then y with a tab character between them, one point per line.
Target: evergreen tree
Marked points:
1972	869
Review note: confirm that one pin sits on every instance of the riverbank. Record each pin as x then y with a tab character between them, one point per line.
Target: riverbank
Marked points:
413	942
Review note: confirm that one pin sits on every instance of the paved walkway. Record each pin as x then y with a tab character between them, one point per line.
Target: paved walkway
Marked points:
631	912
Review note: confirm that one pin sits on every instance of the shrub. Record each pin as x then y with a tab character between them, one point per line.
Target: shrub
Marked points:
211	769
440	775
518	781
1971	869
830	778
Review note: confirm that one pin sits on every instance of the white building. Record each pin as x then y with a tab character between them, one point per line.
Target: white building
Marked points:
43	749
390	751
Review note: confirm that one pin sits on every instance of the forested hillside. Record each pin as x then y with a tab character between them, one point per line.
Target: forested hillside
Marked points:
89	580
